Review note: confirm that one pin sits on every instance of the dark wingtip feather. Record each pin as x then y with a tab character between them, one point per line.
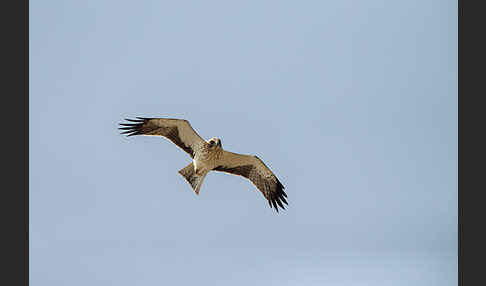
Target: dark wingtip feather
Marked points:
278	197
131	129
133	120
275	205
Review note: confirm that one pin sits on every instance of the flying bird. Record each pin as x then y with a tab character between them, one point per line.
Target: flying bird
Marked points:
209	155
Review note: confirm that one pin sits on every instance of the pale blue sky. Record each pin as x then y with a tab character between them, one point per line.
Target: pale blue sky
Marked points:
353	104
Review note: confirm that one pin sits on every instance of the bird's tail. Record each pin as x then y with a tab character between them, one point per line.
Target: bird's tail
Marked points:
192	178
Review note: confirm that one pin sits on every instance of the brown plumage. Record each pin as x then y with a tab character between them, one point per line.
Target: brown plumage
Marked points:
209	156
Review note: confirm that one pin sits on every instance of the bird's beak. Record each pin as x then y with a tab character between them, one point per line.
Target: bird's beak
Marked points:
219	144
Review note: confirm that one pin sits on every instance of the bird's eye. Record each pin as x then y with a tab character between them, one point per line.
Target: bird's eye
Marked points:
211	143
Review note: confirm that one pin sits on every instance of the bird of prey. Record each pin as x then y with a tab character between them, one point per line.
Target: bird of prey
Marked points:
209	155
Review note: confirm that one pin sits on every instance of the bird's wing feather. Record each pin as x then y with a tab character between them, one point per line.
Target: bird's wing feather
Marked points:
179	131
252	168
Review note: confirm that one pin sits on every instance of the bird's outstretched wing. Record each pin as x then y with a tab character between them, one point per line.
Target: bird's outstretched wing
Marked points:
179	131
252	168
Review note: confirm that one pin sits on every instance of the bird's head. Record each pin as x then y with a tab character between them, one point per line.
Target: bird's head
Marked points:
214	143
